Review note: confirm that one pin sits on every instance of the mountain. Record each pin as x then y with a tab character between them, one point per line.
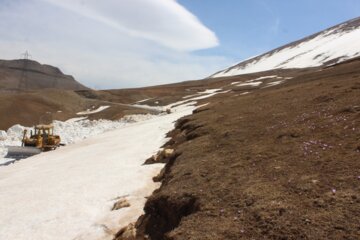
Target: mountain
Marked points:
27	74
333	45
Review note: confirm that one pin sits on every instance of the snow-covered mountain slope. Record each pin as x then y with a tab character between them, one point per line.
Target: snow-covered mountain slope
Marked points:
330	46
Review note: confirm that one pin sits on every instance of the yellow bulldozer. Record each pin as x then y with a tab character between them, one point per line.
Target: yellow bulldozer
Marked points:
42	139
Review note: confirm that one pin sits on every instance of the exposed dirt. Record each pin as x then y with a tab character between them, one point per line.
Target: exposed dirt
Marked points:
42	106
32	107
279	163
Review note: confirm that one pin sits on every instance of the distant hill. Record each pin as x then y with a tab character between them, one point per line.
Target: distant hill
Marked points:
333	45
30	75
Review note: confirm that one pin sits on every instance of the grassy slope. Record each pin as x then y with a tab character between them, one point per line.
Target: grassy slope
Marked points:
279	163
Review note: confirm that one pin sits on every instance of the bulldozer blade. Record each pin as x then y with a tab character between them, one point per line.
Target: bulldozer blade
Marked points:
21	152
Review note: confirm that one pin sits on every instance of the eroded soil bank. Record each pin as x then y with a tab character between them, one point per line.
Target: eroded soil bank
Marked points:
278	163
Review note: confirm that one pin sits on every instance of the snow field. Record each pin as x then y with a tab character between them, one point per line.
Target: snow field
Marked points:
68	193
71	131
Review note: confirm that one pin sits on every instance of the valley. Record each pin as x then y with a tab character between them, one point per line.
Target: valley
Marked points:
268	148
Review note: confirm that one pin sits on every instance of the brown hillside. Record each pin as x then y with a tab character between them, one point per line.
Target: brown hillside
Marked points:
278	163
28	74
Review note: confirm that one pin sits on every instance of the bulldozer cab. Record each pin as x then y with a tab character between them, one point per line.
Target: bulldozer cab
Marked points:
44	130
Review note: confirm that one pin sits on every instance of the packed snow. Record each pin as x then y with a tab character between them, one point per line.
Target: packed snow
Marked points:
204	96
270	84
69	193
77	119
148	107
12	137
190	96
329	45
251	84
208	91
71	131
3	135
75	131
187	99
262	78
144	100
89	111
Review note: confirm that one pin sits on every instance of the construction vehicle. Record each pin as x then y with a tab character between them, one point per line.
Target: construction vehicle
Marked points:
42	139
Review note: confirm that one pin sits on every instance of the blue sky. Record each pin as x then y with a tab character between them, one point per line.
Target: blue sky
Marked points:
133	43
249	27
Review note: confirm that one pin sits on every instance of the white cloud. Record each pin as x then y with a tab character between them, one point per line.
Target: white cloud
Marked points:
162	21
107	54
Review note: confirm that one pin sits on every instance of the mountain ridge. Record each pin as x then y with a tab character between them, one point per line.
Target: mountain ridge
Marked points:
25	74
306	52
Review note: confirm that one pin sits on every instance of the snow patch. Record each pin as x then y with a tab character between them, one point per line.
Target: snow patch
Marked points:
187	99
210	91
144	100
3	135
261	78
189	96
75	131
76	119
271	84
89	111
253	84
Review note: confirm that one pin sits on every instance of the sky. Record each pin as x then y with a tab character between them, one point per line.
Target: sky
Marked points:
133	43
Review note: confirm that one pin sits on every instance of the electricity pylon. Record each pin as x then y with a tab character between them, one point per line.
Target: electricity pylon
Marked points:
23	83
